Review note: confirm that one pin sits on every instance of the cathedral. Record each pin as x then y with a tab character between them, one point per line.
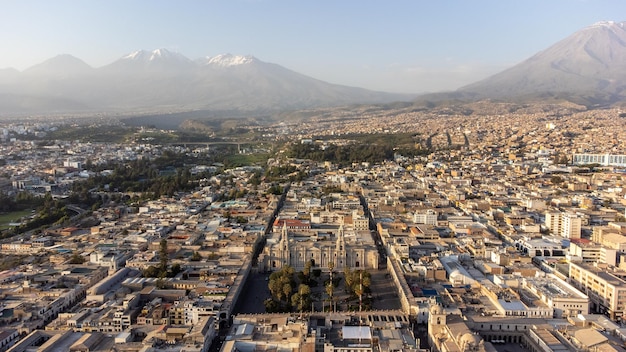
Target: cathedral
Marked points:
322	247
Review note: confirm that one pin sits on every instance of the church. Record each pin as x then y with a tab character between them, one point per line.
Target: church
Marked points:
324	247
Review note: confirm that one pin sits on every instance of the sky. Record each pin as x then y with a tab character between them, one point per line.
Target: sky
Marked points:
405	46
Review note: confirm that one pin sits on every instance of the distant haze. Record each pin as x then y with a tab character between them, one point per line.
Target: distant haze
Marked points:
161	80
588	68
396	46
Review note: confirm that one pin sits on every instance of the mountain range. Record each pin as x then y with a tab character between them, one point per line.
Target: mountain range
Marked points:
587	68
162	80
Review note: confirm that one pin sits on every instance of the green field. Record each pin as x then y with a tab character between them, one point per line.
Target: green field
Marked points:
7	218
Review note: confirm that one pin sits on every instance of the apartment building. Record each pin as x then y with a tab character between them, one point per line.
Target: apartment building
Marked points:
604	285
571	225
591	253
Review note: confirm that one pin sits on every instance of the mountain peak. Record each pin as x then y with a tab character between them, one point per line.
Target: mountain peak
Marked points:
226	60
588	66
60	65
604	24
158	54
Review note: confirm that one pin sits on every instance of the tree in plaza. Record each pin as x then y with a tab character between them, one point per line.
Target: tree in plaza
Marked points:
348	277
330	287
329	292
356	278
287	289
276	289
307	270
163	257
301	299
281	284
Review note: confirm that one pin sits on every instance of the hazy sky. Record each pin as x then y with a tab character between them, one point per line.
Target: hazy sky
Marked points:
400	46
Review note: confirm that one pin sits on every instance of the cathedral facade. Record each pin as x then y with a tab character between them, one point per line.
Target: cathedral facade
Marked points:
323	248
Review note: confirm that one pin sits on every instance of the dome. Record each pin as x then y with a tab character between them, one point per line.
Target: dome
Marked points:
469	339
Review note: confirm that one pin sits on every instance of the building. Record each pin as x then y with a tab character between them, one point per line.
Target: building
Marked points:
602	159
591	253
571	225
429	217
321	247
553	221
449	332
541	248
565	300
604	285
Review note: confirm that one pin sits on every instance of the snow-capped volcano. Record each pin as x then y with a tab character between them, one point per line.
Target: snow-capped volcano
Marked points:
226	60
155	55
607	24
161	78
589	66
159	59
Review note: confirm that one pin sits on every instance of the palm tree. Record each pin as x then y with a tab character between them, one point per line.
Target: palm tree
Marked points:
330	287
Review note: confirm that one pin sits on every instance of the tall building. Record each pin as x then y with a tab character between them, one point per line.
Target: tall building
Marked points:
568	225
553	221
571	225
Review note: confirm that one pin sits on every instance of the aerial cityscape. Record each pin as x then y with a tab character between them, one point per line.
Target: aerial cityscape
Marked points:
156	202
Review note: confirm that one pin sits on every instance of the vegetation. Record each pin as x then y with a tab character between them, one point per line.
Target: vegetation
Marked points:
11	261
13	216
162	270
143	176
284	173
287	295
93	133
21	201
363	148
358	284
236	160
51	211
195	257
76	259
341	155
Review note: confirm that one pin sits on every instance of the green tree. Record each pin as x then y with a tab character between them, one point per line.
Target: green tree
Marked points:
174	270
195	257
76	259
306	271
151	271
163	257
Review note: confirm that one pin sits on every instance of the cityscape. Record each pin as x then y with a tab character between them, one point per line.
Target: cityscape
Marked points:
356	176
508	236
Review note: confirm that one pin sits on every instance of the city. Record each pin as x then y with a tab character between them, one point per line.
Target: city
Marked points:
493	235
312	176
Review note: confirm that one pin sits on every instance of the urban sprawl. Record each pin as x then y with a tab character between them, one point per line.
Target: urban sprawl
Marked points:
505	231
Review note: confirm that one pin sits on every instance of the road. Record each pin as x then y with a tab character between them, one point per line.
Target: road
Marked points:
253	295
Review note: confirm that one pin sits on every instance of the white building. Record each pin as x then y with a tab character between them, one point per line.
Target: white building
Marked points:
591	253
429	217
564	299
571	225
602	159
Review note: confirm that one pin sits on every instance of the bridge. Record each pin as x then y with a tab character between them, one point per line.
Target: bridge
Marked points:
207	144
